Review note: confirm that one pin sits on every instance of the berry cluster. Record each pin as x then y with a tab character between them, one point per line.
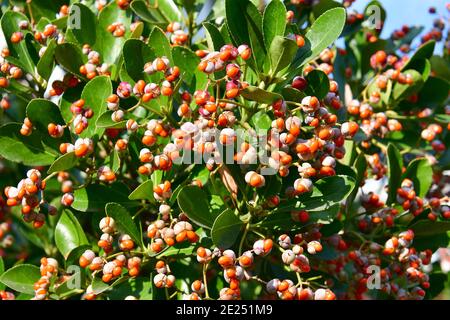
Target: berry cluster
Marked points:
29	195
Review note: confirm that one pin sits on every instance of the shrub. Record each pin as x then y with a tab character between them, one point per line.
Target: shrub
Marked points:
153	150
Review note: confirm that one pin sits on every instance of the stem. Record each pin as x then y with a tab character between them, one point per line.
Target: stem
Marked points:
241	244
299	278
50	176
234	102
30	11
137	105
205	282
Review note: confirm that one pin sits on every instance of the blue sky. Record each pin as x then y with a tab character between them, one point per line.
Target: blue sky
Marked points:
411	12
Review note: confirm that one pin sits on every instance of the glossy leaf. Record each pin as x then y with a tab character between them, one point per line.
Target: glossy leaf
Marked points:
395	166
95	94
318	84
105	121
324	31
2	269
159	43
47	61
213	37
63	163
187	61
124	221
260	95
225	229
95	196
143	192
75	254
193	201
245	26
70	57
426	227
108	45
68	233
21	278
281	53
84	30
402	91
18	51
31	150
274	21
421	173
136	54
261	121
41	113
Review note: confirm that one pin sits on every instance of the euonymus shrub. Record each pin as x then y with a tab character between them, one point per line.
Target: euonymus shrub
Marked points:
220	150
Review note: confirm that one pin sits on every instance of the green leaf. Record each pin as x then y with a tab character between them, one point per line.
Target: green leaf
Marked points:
18	51
262	121
274	21
444	118
136	54
31	150
427	227
402	91
421	173
323	6
260	95
65	289
292	94
160	44
21	278
63	163
395	166
425	51
325	30
193	201
180	249
47	61
282	219
245	25
141	9
281	53
143	192
318	84
213	37
187	61
98	286
105	121
140	287
124	221
74	255
95	196
434	92
114	160
225	229
327	192
361	167
440	67
322	206
85	32
95	94
2	269
170	10
41	113
109	46
69	234
70	57
43	8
